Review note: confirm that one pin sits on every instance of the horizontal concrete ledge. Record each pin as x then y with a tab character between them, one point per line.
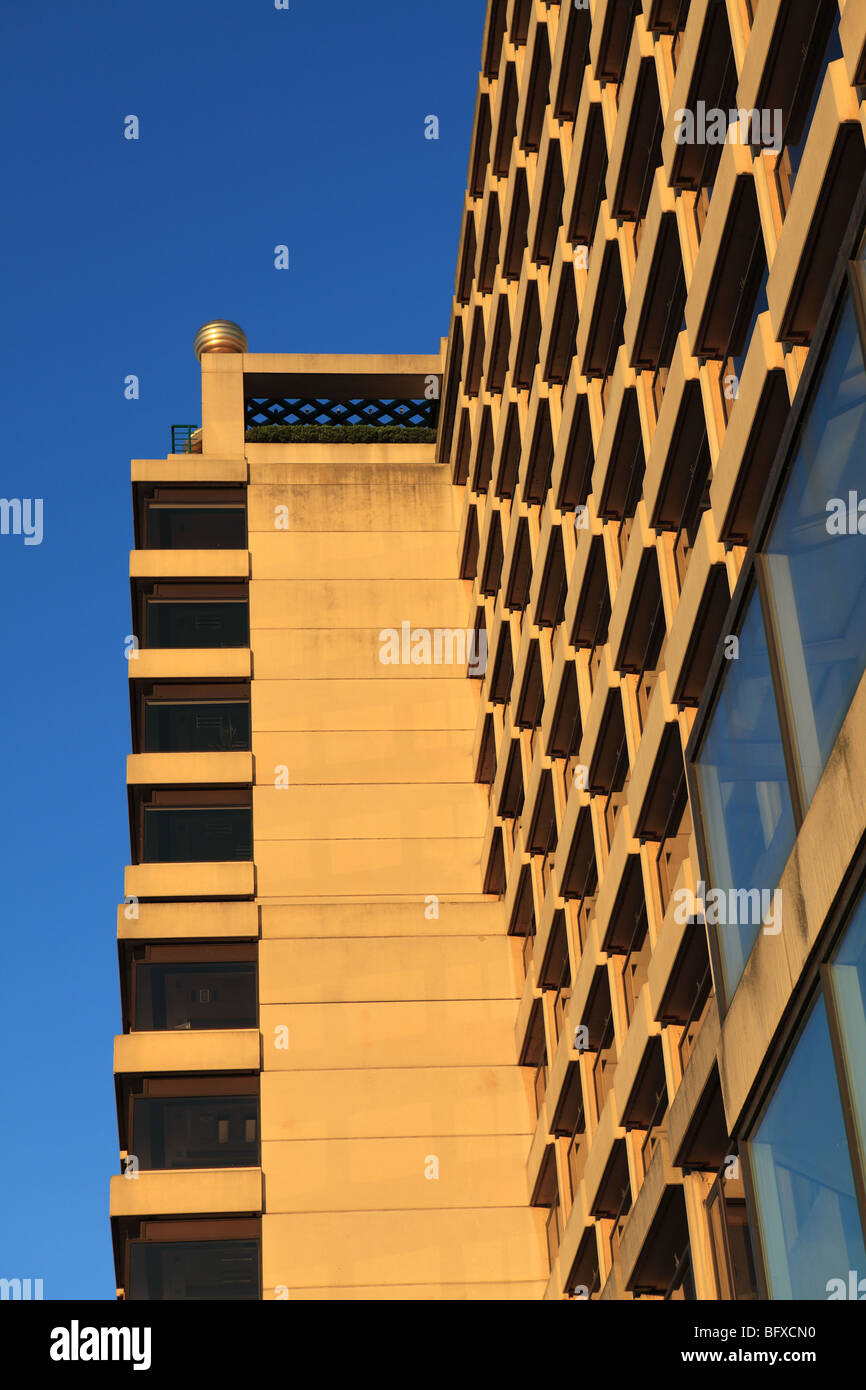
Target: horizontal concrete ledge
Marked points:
519	1292
179	921
222	1049
317	919
337	900
208	880
194	769
394	365
189	468
188	1192
189	564
191	663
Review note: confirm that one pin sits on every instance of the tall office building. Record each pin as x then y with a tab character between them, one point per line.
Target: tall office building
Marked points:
317	1089
496	923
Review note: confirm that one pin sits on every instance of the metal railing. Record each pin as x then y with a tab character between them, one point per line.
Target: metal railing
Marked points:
307	410
182	438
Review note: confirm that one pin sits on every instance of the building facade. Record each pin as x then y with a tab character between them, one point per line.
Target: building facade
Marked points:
496	926
317	1087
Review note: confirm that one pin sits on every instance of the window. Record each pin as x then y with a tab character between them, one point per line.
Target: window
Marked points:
845	981
807	1215
195	1131
194	1270
196	727
816	561
195	528
744	793
730	1244
172	716
198	623
194	994
777	709
197	834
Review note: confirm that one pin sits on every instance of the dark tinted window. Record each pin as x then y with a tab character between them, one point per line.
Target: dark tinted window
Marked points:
203	623
196	528
182	834
195	995
208	1269
195	1131
213	726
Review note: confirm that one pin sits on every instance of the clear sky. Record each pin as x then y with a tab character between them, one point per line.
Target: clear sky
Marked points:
258	127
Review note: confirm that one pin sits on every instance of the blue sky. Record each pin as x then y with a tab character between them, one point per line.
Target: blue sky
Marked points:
258	127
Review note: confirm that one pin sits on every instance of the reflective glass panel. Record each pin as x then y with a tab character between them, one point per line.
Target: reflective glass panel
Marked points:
807	1211
745	799
816	556
848	983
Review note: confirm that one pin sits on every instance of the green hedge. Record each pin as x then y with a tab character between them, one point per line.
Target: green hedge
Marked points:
340	434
